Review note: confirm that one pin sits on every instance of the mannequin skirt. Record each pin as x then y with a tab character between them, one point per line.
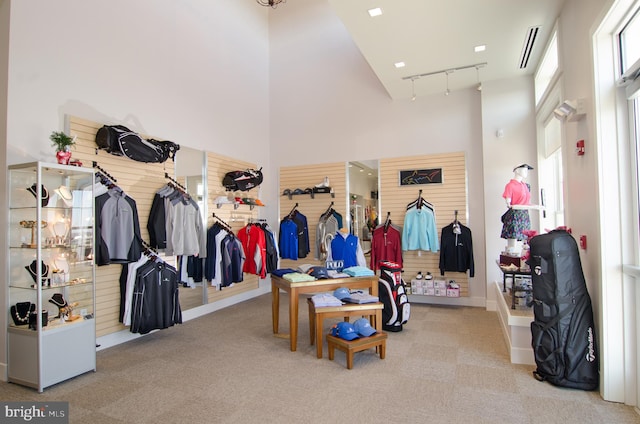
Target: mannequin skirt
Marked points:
514	222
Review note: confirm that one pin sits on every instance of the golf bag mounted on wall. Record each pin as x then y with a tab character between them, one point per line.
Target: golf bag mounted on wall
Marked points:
563	336
121	141
392	292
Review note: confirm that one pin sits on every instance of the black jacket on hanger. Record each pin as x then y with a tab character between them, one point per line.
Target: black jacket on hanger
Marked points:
456	250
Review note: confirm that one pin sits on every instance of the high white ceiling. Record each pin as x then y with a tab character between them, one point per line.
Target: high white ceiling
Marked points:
440	35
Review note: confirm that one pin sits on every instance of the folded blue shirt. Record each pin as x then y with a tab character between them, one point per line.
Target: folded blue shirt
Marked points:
358	271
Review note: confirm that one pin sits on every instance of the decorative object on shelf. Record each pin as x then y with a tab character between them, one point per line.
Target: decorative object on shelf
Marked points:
60	271
65	309
60	230
44	194
270	3
63	144
20	312
33	319
32	225
32	268
65	194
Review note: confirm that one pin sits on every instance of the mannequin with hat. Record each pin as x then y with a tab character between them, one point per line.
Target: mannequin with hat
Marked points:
517	196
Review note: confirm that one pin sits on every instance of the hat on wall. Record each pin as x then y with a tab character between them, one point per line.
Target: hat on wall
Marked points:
524	165
344	330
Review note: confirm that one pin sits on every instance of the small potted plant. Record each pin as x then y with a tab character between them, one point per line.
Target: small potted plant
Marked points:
62	143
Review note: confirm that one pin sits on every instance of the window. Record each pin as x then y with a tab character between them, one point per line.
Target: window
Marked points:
547	69
551	176
628	44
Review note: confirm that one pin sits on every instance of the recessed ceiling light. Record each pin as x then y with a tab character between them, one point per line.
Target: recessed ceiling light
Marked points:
399	64
375	12
480	48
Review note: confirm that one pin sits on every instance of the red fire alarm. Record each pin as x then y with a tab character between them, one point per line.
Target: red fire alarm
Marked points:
583	242
580	147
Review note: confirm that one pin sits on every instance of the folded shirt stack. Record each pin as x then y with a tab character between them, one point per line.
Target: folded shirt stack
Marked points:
358	271
297	277
325	299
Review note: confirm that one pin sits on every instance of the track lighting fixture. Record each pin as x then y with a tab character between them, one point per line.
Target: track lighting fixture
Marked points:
270	3
446	72
446	93
479	85
413	89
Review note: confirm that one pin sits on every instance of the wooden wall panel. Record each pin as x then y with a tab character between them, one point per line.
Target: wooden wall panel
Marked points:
309	176
448	197
235	216
140	181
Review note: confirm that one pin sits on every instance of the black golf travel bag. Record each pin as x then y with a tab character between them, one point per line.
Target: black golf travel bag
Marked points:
392	292
563	336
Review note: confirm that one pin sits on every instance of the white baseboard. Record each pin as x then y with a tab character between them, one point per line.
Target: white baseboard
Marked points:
478	302
124	336
4	373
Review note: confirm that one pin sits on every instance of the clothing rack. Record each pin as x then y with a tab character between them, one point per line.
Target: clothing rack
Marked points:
387	221
290	214
179	186
328	211
456	224
104	173
222	222
420	202
148	249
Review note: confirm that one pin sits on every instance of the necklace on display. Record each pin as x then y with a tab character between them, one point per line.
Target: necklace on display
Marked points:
20	312
60	232
58	300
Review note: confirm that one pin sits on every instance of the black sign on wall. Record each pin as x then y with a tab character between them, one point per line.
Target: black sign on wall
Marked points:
421	176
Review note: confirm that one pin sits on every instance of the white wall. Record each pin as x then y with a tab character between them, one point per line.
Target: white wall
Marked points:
327	106
183	71
186	71
4	66
203	74
506	106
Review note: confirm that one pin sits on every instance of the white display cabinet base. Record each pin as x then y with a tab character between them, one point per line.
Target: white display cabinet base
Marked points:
67	351
516	328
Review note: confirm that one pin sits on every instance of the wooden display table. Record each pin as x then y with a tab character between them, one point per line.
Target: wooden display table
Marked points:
378	340
296	289
317	316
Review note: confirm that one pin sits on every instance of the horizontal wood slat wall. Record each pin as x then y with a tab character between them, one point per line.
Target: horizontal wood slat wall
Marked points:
140	181
446	198
237	218
308	176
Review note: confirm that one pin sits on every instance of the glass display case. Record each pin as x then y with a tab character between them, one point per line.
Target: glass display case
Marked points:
51	274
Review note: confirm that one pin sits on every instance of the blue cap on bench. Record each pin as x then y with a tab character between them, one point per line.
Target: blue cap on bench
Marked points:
342	293
344	330
363	327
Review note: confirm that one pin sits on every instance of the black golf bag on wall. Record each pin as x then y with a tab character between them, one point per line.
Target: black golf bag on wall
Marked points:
563	336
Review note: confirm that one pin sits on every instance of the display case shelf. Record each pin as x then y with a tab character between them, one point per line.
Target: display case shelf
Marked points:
50	274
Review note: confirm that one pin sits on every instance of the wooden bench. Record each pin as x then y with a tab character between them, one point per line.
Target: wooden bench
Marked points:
378	340
318	314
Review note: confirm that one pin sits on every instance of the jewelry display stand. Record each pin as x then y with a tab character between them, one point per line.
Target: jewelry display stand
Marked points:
51	286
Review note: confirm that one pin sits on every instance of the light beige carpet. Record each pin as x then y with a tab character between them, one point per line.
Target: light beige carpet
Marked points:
449	365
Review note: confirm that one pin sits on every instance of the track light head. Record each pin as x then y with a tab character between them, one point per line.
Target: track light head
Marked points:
413	89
